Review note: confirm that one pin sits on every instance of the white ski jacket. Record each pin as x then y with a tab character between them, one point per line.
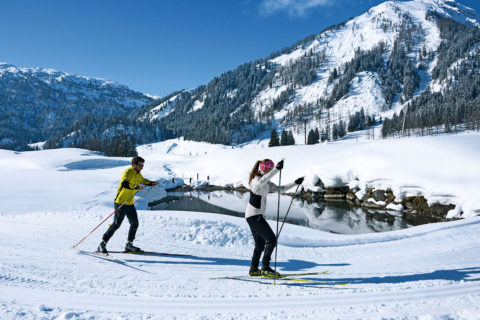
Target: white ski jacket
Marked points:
259	189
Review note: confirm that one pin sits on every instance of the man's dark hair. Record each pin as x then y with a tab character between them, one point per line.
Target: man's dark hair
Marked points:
137	160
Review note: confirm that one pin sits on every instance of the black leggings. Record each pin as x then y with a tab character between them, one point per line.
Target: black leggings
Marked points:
264	238
131	213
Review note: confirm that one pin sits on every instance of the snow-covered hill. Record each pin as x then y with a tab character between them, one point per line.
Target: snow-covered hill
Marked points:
53	198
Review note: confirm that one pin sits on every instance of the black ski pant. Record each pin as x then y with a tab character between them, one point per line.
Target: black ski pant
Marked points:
131	213
264	238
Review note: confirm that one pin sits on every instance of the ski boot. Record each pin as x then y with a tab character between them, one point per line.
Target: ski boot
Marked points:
129	247
102	247
254	272
268	272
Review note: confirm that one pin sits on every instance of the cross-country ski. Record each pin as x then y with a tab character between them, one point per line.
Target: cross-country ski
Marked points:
152	253
283	275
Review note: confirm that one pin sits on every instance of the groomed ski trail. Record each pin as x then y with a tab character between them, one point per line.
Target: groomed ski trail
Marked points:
160	305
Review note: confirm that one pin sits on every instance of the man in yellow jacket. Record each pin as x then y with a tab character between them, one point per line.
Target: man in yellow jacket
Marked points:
131	182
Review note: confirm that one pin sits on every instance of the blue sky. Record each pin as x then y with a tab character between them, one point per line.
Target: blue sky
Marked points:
158	47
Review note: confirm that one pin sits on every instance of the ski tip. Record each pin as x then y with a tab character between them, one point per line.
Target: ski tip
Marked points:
74	246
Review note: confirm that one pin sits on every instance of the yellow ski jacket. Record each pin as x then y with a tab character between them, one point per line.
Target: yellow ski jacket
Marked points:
128	186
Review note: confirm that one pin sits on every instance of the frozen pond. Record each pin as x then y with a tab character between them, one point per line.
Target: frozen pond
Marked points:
336	216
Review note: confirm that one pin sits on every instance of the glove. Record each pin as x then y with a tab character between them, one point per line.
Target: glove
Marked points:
279	165
299	180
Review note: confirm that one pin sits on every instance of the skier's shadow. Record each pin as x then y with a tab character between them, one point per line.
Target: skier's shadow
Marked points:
302	265
457	275
291	264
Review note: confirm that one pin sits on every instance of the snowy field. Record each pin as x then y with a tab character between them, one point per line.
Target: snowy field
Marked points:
51	199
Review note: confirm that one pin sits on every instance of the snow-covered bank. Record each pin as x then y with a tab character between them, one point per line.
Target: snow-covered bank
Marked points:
443	168
53	198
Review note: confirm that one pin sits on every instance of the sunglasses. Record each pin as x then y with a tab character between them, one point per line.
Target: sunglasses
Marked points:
140	165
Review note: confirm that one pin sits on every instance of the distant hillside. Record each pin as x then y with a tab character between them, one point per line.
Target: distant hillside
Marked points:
39	104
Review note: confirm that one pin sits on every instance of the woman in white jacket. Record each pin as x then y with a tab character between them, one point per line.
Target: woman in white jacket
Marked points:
265	240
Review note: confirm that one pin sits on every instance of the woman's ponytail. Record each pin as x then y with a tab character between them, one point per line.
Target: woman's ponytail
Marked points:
254	171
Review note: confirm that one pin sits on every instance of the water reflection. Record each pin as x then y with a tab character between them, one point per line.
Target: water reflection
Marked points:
332	216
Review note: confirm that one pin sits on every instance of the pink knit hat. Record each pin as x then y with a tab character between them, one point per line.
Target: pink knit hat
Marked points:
267	165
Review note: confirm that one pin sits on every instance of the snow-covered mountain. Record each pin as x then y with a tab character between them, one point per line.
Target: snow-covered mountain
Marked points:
418	55
378	62
37	104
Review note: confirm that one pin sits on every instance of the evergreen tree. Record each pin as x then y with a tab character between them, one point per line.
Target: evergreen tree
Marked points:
284	138
335	131
342	131
317	136
130	148
274	142
323	136
311	137
290	139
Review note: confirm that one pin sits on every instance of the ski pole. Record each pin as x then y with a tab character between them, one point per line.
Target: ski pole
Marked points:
278	215
112	214
283	222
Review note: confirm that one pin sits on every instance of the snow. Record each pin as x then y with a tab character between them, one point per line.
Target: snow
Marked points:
154	97
266	98
162	110
453	10
365	92
53	198
232	93
197	106
395	207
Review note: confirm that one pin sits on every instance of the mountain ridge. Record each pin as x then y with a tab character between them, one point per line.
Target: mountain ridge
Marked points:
38	103
376	64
